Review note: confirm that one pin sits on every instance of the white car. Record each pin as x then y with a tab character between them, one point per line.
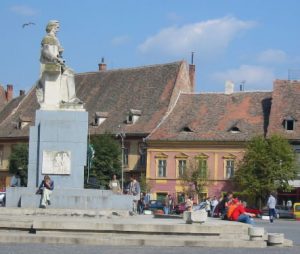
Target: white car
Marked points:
2	198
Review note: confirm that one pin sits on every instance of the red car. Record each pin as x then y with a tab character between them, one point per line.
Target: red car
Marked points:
256	211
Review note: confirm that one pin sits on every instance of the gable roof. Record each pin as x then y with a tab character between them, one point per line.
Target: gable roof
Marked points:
151	89
209	117
285	104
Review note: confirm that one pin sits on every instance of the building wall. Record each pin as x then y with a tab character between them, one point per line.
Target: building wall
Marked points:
5	151
171	184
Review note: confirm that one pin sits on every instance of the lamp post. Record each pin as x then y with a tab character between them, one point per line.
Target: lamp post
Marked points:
122	135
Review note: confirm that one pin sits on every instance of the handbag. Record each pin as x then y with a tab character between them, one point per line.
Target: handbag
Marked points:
39	192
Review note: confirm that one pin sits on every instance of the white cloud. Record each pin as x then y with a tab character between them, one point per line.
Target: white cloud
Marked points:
272	56
23	10
120	40
206	38
256	77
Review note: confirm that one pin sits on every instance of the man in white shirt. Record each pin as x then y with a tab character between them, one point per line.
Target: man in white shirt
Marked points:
271	205
214	204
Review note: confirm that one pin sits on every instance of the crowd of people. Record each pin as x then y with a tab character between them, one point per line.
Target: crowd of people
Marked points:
227	207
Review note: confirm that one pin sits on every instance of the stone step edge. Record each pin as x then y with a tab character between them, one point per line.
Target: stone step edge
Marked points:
64	212
101	227
83	240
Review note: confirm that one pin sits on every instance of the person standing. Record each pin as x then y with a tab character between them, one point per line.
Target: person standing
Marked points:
46	187
135	190
207	206
167	204
271	203
214	204
189	204
114	185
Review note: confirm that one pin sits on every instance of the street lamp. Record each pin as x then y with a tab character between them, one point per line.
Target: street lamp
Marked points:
122	135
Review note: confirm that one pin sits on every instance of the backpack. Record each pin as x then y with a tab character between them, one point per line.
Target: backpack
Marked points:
230	210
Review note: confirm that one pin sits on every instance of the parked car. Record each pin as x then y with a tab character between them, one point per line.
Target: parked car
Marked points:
155	205
297	211
281	211
256	211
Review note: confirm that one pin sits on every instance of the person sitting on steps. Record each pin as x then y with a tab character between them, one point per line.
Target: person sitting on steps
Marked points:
46	187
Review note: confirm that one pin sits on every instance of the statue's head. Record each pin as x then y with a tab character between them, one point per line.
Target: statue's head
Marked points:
51	24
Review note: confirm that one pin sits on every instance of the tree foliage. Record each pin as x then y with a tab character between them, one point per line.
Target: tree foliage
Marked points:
107	159
145	185
195	177
267	166
18	162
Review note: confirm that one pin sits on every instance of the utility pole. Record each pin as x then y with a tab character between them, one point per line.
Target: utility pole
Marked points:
122	135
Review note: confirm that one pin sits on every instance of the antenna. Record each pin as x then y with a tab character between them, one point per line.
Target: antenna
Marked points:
192	57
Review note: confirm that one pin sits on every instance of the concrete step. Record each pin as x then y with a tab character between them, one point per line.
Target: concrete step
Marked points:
128	225
124	240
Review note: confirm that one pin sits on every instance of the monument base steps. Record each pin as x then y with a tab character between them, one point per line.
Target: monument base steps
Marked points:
97	227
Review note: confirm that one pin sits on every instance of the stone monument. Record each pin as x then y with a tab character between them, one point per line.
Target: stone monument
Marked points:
58	141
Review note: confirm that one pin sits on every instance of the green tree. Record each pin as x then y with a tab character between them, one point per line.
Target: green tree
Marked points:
195	177
145	185
267	166
18	161
107	159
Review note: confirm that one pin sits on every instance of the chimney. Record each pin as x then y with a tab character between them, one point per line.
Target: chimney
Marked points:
229	87
102	65
22	92
9	92
192	69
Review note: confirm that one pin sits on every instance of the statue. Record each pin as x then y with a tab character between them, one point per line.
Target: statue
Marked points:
56	86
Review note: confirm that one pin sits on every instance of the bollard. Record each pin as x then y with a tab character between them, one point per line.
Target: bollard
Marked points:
256	233
275	239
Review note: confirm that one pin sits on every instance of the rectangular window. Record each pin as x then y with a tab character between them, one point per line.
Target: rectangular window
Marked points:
125	156
143	154
202	163
181	167
289	125
162	168
229	169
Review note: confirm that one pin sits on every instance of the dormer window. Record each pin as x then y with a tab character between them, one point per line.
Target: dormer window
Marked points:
289	123
234	129
133	116
100	117
186	129
23	122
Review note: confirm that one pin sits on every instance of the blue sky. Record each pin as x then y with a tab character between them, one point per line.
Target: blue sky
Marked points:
255	41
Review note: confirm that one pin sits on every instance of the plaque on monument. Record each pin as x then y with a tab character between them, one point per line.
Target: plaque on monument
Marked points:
56	162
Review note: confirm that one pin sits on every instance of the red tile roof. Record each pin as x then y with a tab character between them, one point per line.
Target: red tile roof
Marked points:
150	89
285	104
211	117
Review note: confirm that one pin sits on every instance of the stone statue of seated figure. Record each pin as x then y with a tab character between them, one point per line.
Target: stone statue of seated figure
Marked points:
56	85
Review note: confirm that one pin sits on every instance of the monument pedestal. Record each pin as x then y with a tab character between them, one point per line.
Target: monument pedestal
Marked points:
58	148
